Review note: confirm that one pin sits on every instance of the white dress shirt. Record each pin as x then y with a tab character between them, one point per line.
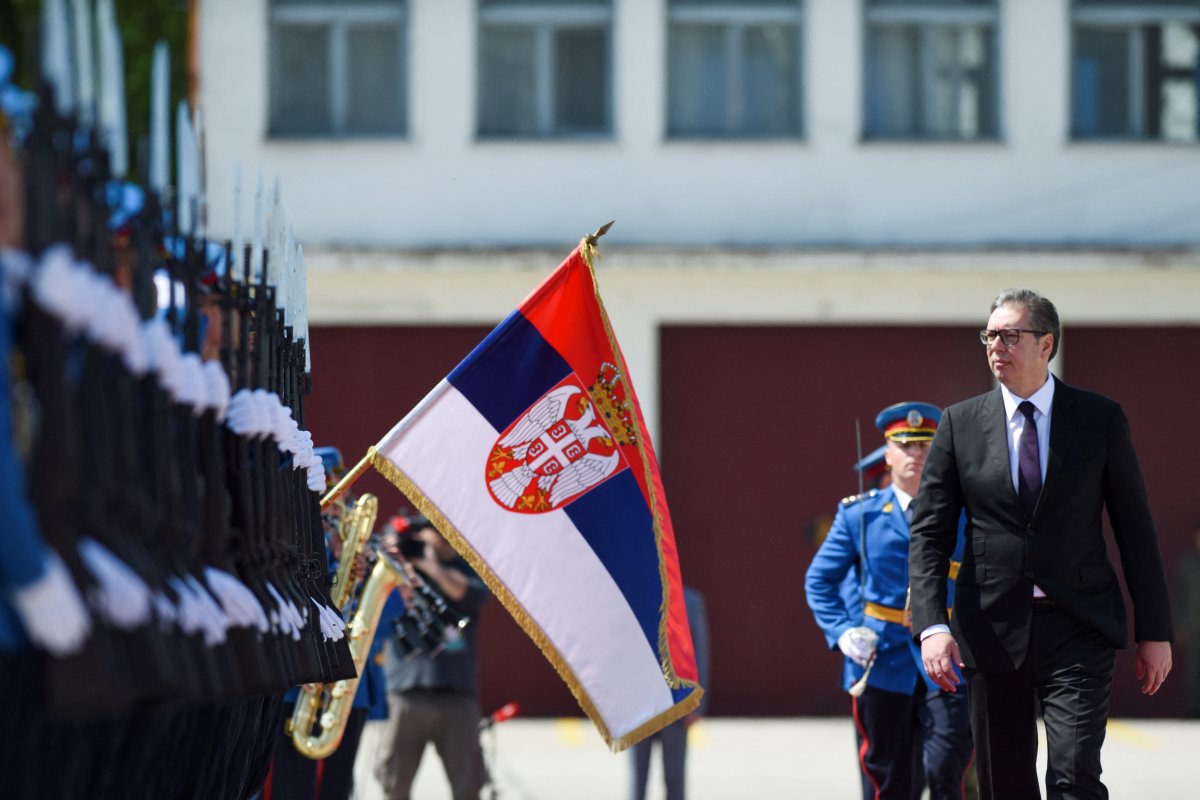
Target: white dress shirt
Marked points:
1042	401
905	499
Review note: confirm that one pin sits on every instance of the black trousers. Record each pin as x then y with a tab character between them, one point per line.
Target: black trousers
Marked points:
294	777
672	741
908	742
1068	674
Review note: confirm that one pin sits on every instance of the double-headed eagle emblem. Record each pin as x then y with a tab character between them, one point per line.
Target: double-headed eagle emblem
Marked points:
558	449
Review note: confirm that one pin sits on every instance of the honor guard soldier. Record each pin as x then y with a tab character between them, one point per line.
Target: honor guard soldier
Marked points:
912	734
874	469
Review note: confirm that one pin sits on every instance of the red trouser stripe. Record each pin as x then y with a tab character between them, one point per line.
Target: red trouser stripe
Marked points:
866	745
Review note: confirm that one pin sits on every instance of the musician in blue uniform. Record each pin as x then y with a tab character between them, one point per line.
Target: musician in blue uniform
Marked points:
293	775
898	710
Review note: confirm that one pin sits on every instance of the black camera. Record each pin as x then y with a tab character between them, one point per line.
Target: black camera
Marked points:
406	529
411	546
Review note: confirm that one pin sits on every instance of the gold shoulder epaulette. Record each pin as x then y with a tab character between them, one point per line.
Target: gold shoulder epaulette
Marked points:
855	498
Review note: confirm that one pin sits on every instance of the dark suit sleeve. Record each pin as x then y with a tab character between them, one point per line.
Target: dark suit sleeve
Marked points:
1133	528
934	530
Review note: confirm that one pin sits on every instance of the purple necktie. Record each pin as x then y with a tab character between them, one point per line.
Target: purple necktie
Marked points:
1029	462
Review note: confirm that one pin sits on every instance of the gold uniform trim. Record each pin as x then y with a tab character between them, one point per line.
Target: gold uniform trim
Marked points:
885	613
896	615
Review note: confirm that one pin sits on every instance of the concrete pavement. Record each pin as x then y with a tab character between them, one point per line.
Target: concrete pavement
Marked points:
734	759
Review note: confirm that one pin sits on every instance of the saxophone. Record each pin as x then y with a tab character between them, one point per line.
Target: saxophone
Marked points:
322	710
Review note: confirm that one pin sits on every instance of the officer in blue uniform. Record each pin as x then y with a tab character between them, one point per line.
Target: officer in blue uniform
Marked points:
874	469
906	724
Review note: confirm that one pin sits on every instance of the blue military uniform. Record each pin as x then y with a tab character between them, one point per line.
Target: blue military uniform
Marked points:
56	618
905	724
22	552
883	592
872	467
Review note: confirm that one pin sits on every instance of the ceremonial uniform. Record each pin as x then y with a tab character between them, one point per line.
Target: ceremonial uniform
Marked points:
900	710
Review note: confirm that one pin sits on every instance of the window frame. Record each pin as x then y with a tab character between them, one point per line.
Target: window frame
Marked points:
546	21
1131	20
337	20
733	20
927	19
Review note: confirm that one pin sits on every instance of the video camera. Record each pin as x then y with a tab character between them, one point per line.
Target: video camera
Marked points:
406	528
430	620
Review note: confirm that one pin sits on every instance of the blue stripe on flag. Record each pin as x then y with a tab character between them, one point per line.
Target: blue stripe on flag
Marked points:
681	693
508	371
615	522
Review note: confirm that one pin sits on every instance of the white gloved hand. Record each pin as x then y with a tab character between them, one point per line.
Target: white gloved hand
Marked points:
858	644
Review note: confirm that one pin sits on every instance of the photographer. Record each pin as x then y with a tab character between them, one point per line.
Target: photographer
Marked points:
434	697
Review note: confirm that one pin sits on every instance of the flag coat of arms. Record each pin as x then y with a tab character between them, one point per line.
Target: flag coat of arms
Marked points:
532	459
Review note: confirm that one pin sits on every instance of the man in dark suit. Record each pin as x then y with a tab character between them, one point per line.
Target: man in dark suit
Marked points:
1038	613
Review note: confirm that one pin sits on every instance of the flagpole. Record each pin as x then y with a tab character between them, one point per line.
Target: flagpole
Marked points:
348	479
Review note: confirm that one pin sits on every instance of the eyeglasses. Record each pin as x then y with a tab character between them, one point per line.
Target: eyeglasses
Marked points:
1009	337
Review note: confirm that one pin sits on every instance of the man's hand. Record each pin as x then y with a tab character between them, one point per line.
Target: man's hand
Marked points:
361	568
858	644
940	654
1151	663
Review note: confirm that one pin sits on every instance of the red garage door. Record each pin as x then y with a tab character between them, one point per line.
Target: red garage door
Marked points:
1150	371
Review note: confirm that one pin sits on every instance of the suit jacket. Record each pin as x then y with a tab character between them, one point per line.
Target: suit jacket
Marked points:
1060	547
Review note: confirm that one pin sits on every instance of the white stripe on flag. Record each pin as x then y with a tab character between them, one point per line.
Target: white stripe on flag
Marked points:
541	558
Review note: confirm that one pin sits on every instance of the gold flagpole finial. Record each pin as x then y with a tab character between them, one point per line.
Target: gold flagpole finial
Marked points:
587	248
603	229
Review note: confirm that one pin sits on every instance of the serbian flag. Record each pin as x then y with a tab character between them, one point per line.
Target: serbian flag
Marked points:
533	460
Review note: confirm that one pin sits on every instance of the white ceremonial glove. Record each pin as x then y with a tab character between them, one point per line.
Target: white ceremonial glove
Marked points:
120	596
858	644
52	611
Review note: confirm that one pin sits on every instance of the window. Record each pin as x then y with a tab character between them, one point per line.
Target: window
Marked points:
1135	70
733	68
337	68
544	68
931	70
